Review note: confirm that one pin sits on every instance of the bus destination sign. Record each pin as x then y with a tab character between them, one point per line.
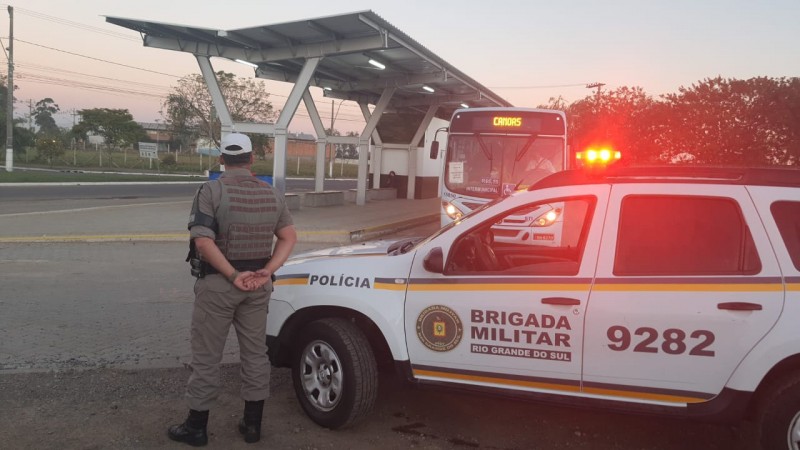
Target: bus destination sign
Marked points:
522	122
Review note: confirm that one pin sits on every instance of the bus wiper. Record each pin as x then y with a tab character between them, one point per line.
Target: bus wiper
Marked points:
525	147
485	150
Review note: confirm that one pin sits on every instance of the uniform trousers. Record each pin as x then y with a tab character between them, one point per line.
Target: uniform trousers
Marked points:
218	304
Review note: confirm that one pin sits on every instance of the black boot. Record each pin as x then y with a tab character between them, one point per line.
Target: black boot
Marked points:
250	424
192	431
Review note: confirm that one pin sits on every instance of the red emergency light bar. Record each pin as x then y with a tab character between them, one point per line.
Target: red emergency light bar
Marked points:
602	156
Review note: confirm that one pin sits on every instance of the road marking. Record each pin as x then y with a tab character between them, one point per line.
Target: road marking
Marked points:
339	237
99	238
92	208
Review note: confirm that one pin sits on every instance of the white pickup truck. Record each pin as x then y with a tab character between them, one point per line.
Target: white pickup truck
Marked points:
671	290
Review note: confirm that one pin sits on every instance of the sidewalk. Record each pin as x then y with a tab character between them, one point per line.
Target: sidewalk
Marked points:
166	221
350	223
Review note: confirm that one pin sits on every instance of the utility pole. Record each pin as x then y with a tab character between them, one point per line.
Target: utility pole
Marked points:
30	115
10	89
74	144
598	86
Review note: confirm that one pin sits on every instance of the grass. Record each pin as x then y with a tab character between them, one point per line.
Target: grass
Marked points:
24	176
75	166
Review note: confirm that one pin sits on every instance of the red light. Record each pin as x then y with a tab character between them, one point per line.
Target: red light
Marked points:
602	156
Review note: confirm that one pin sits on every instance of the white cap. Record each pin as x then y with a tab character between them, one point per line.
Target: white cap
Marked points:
236	144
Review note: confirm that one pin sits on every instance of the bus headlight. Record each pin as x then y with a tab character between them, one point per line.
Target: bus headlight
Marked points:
547	219
452	211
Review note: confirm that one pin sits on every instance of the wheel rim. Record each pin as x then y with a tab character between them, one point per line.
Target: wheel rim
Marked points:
321	375
794	433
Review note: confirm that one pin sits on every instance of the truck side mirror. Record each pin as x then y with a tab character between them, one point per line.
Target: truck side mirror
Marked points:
434	149
434	261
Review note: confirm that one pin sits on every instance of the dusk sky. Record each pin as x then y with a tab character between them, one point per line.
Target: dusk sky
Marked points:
526	51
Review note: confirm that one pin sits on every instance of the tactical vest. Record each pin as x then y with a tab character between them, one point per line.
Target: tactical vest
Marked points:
246	216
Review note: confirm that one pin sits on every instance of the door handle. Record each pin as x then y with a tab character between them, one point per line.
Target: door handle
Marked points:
565	301
739	306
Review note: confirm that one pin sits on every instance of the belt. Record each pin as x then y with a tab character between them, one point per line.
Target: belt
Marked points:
241	265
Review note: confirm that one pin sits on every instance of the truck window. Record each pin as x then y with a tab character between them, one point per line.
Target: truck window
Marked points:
787	217
683	235
538	239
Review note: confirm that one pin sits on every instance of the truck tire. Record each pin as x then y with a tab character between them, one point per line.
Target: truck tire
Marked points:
334	373
779	419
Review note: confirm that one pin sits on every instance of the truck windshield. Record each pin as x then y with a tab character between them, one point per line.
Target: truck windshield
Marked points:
490	166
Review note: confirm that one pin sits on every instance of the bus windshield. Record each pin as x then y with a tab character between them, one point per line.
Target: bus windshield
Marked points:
494	165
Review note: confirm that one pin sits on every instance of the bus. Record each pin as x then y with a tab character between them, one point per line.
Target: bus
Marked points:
491	152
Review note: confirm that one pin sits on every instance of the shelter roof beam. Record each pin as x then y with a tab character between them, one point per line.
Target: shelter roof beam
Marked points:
405	80
278	72
187	33
323	30
438	99
413	49
241	39
358	98
316	50
270	32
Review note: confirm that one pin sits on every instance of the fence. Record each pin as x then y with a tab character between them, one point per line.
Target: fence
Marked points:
184	162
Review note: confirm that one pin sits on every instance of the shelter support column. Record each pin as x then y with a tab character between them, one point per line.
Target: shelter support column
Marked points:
287	113
413	149
279	161
363	144
377	149
216	93
319	128
319	170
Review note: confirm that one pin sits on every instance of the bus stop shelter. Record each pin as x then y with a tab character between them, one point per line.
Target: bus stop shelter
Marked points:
399	84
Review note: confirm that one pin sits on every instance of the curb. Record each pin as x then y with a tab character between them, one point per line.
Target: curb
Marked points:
322	236
381	230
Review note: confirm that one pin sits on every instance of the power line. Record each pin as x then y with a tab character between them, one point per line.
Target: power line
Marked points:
41	68
79	25
539	87
125	65
98	59
109	33
111	89
88	86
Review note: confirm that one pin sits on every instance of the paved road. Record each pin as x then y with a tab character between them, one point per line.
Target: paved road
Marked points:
121	304
19	199
120	310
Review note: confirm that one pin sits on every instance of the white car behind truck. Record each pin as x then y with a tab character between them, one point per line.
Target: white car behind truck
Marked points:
672	291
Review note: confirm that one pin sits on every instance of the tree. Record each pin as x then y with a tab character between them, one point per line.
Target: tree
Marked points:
21	136
50	147
750	122
43	116
190	113
261	145
344	151
116	126
348	151
621	118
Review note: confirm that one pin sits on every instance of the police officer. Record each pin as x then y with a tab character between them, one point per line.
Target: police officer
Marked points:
232	225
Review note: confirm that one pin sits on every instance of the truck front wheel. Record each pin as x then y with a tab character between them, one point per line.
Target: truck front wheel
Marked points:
779	421
334	373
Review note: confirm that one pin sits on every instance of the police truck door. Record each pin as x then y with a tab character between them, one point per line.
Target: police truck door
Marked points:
508	313
687	284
